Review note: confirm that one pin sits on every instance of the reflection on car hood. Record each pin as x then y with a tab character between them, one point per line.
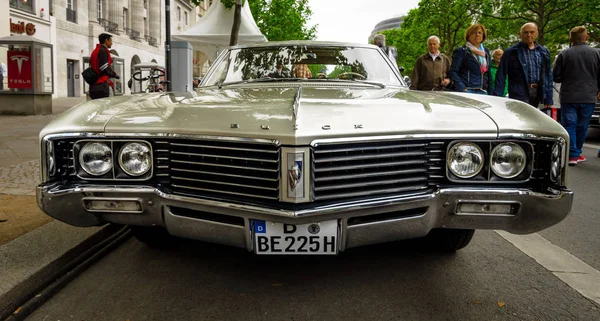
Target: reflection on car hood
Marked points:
295	116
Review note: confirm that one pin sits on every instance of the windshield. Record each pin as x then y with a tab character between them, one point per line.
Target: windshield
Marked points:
303	63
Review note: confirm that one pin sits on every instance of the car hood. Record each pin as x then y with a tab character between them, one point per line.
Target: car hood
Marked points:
295	115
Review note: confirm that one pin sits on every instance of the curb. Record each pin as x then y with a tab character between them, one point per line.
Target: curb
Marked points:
28	287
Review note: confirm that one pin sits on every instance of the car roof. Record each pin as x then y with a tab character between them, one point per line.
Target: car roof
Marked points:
303	43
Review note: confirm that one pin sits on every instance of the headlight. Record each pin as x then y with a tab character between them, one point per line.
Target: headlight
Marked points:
135	159
50	161
555	163
465	160
508	160
96	158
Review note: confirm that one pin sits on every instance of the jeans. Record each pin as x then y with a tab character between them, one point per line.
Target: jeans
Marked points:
476	91
575	118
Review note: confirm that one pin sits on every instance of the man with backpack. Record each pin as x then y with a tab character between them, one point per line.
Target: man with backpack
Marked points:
100	62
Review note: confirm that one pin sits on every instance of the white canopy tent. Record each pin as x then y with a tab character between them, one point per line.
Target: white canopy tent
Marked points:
212	32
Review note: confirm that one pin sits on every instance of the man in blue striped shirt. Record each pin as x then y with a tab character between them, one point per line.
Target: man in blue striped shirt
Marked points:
527	66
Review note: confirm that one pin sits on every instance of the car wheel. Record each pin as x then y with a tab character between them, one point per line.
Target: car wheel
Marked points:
448	240
152	236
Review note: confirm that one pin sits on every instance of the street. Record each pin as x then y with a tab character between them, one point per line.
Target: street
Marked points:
490	279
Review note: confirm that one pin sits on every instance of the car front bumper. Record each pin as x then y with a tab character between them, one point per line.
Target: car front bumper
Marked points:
360	222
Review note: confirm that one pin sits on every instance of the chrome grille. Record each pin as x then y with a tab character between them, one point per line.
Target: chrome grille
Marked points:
371	168
224	169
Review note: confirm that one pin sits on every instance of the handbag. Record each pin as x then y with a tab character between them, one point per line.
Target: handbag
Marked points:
90	76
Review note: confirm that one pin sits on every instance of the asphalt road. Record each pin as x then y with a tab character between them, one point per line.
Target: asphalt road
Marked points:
489	280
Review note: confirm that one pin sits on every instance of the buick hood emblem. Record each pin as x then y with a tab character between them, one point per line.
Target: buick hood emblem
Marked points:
295	174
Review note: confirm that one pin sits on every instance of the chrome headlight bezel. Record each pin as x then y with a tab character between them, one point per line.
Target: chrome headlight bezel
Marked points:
122	151
83	165
515	146
450	154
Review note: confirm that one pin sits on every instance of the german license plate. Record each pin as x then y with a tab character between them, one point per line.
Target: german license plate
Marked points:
279	238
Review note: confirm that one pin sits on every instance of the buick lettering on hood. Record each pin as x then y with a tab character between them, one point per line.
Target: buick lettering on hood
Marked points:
305	148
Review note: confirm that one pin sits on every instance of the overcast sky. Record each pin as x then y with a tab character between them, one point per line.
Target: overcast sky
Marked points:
353	20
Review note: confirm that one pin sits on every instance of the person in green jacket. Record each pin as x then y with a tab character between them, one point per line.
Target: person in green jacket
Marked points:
496	56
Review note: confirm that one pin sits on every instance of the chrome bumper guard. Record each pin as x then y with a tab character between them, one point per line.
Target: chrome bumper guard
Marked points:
361	223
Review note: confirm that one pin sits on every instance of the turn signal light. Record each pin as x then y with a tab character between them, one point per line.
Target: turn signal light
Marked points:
487	208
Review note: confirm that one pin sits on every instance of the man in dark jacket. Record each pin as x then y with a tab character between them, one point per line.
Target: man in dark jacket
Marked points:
100	61
578	71
527	65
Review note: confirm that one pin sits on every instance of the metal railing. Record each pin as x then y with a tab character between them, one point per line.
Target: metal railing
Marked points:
109	26
133	34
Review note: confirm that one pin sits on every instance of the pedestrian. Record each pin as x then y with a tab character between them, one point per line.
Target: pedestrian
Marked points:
431	69
470	69
577	69
301	71
3	73
527	66
390	51
101	61
496	56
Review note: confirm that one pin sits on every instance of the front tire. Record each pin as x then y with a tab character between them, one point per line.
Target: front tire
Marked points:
448	240
152	236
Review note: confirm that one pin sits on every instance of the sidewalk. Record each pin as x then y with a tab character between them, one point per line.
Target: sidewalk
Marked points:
19	170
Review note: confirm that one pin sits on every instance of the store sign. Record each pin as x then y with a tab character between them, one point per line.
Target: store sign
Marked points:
22	27
19	69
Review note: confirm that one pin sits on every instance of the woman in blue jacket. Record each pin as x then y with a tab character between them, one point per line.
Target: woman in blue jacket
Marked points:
470	70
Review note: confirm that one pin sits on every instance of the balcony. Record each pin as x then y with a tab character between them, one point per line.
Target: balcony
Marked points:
133	34
71	15
152	41
109	26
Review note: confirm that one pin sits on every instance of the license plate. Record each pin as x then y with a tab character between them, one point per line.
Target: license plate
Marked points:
278	238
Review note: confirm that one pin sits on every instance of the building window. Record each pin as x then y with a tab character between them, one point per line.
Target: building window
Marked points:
178	13
71	12
26	5
99	7
125	25
145	4
146	27
186	17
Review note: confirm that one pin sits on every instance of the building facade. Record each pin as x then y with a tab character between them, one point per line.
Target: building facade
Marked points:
387	24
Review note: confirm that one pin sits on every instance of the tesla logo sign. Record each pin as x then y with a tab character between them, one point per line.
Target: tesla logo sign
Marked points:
19	69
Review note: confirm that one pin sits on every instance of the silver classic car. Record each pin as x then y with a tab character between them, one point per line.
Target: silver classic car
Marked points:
306	148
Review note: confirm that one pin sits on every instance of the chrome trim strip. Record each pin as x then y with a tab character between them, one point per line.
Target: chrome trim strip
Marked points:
374	183
318	142
367	175
296	104
375	156
222	165
273	142
229	157
222	192
342	168
223	174
359	149
413	188
223	183
226	148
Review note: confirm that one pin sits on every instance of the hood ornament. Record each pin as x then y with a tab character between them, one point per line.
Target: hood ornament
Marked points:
295	174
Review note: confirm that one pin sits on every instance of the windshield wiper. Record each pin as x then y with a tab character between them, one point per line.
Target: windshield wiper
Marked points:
373	83
221	84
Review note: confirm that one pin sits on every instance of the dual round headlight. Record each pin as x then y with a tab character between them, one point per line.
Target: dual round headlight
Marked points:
466	160
96	158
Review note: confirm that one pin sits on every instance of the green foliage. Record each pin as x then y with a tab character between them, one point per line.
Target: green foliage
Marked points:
283	19
449	19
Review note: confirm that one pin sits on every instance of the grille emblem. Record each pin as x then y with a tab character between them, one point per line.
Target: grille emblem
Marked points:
295	174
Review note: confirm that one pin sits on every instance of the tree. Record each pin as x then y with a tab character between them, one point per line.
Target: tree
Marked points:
283	19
